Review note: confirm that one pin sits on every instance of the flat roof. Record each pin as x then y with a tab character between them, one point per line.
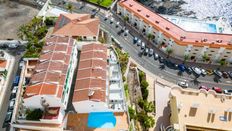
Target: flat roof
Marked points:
180	36
200	108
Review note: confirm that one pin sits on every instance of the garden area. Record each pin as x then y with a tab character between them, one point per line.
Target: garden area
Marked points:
141	109
34	32
104	3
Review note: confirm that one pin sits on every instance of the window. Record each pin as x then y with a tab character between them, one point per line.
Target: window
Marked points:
228	52
84	37
196	49
212	51
225	56
209	54
94	37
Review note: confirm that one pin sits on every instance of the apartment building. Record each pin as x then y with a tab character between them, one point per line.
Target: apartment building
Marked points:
98	87
50	84
199	46
78	26
200	110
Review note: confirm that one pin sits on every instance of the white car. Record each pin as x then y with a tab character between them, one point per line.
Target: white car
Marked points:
196	70
151	51
142	45
182	84
117	24
203	72
139	42
15	89
13	45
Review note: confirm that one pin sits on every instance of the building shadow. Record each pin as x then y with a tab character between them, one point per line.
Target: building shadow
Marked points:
164	119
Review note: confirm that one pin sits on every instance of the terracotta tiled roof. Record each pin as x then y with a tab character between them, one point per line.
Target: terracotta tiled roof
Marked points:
76	25
51	68
91	75
173	31
3	63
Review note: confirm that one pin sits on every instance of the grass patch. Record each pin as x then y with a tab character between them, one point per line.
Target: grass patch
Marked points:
104	3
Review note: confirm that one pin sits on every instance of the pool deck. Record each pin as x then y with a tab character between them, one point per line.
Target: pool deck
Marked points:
78	122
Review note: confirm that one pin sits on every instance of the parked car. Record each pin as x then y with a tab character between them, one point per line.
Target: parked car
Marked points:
217	89
228	92
196	70
16	81
126	32
146	51
181	67
217	73
203	72
182	84
204	87
135	40
117	24
156	56
14	89
111	20
106	17
139	42
151	51
161	59
13	45
189	70
142	45
209	72
230	74
225	74
11	106
8	117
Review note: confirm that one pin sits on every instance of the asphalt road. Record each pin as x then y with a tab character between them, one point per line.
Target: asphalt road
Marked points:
147	62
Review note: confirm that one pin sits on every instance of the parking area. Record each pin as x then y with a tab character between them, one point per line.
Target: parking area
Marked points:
186	76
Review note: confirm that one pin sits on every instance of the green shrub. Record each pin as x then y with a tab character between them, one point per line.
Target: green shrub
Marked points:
141	76
145	93
144	84
131	113
34	115
123	78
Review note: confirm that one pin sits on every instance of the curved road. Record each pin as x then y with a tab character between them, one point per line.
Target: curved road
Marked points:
147	62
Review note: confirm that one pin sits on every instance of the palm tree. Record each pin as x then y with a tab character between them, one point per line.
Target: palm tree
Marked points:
205	57
186	57
70	7
169	51
150	36
22	31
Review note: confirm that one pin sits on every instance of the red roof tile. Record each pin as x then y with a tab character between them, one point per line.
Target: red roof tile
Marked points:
52	67
91	74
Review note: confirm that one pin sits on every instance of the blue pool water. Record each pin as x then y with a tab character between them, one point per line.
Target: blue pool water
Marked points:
212	28
101	120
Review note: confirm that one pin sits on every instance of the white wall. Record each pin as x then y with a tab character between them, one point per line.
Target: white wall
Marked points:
35	101
90	106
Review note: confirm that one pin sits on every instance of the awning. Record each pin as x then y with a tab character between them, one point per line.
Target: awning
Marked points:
101	120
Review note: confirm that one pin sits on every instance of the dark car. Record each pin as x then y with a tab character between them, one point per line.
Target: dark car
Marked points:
189	70
225	74
228	92
204	87
161	59
135	40
217	89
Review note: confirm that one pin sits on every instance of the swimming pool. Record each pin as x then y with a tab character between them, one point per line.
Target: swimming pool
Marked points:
193	25
101	120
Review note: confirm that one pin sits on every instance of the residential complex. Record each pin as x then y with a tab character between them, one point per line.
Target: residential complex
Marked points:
169	36
73	70
200	110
